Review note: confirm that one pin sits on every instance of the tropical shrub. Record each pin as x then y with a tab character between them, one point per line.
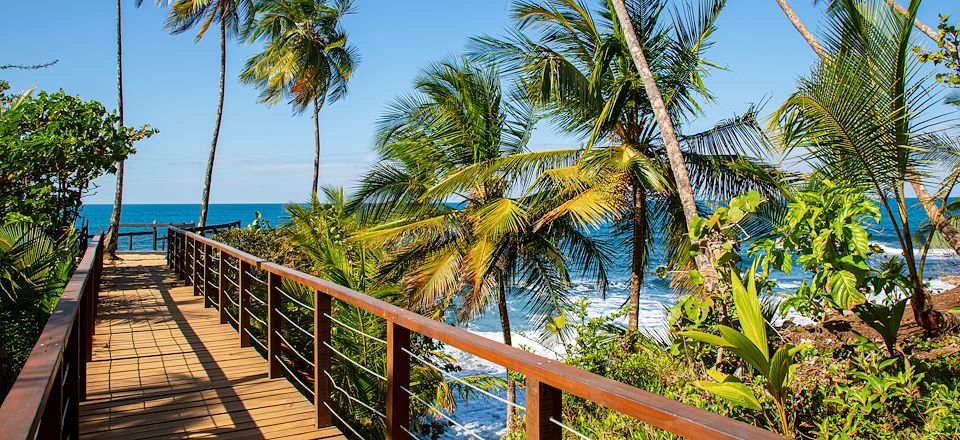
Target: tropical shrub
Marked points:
52	147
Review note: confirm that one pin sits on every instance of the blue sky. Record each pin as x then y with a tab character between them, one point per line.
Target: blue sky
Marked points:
266	154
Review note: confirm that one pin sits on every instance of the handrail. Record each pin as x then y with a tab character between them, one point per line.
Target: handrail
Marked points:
44	401
160	239
547	379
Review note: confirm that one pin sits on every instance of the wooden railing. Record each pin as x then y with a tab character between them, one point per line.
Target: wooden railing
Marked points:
205	264
159	242
44	402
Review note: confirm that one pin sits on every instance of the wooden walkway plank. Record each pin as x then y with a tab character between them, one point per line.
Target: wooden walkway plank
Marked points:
163	367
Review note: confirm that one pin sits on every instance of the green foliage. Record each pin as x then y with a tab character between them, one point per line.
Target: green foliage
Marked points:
750	344
884	319
33	271
826	228
52	146
946	53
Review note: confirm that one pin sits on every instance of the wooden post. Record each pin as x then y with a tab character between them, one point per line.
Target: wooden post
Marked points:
543	402
207	271
273	325
221	284
398	377
321	357
243	316
71	383
130	242
196	265
154	235
52	415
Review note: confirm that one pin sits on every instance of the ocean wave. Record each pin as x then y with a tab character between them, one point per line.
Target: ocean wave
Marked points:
931	254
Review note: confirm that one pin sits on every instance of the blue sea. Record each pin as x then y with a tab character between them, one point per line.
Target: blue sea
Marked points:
485	416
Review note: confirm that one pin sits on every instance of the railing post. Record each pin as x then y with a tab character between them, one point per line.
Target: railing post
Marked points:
243	298
196	265
130	242
154	235
50	427
221	284
207	266
321	357
71	385
398	378
273	325
543	403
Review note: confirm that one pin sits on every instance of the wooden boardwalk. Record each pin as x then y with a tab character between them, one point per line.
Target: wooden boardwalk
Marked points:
163	367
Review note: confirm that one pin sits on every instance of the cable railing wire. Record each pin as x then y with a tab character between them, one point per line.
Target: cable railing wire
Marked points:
343	421
441	413
354	399
347	358
569	429
254	277
470	385
255	317
232	282
254	339
287	318
294	300
294	350
360	332
295	376
255	297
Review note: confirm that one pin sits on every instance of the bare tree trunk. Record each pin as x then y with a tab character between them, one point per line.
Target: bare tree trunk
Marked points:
317	105
677	163
508	339
931	32
804	32
205	203
636	268
118	194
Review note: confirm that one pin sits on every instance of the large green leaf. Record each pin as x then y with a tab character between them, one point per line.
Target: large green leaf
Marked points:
705	337
733	392
844	289
748	309
778	379
745	348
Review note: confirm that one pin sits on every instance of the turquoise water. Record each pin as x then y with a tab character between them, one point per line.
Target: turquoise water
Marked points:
485	416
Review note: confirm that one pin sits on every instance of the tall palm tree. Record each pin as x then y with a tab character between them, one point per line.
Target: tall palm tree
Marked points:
118	194
949	233
307	58
233	18
468	246
577	63
861	116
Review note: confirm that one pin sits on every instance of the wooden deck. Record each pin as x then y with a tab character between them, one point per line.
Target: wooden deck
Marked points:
163	367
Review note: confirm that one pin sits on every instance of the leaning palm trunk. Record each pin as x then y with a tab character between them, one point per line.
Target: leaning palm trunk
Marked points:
636	268
942	223
508	339
205	203
682	179
118	194
317	105
921	26
804	32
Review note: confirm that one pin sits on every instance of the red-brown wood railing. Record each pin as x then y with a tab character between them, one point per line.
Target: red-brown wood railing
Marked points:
204	263
44	402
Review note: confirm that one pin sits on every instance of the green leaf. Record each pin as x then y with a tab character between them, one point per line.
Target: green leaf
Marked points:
779	371
695	276
696	228
844	290
748	309
860	239
733	392
705	337
746	349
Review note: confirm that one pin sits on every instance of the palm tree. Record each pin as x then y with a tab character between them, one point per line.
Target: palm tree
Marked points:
456	235
949	233
118	194
306	59
861	117
578	64
234	18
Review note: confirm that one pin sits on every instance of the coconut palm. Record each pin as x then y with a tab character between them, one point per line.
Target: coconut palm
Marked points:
233	17
801	28
307	59
577	63
459	238
861	115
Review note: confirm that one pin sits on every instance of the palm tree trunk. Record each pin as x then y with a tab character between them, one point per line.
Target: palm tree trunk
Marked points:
931	32
636	268
205	203
804	32
118	194
508	339
677	163
317	105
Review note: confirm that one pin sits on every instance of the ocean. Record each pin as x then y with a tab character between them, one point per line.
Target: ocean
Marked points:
485	416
